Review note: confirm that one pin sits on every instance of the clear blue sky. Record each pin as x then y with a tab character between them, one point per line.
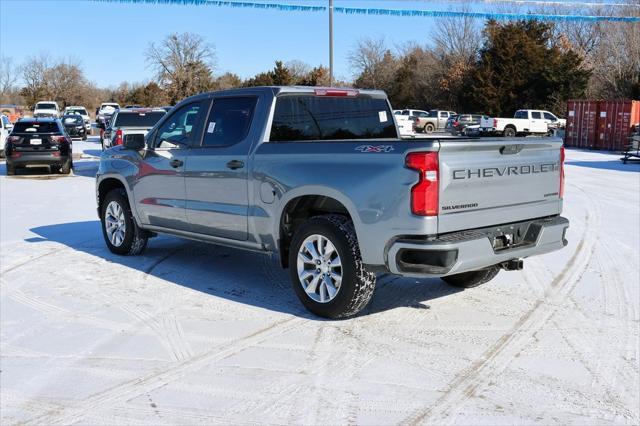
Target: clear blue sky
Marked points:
109	39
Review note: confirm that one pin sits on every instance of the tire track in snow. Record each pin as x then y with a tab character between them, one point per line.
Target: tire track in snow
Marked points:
138	386
500	354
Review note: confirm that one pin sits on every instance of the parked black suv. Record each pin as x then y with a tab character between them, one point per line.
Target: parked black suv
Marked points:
74	126
39	142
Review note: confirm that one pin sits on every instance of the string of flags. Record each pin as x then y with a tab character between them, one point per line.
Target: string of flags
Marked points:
498	16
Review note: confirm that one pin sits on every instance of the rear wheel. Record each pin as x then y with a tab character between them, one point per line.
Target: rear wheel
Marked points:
472	278
429	128
11	169
65	169
121	233
326	268
509	132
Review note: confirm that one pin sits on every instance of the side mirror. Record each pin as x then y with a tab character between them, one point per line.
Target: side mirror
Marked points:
135	142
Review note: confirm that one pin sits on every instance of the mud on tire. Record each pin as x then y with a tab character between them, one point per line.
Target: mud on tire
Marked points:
357	286
135	239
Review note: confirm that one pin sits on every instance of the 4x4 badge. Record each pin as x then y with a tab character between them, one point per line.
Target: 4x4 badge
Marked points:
374	148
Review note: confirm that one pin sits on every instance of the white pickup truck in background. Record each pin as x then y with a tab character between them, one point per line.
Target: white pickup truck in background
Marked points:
524	122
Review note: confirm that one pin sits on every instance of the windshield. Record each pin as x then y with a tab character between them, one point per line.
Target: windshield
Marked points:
72	119
22	127
80	111
138	119
46	106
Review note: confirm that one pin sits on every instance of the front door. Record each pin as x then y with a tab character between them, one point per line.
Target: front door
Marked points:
217	171
159	189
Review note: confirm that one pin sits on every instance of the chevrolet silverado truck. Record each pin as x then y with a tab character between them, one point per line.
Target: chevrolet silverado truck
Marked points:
319	178
524	122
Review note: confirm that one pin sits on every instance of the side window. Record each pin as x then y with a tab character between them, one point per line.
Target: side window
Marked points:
229	121
443	114
520	114
422	114
549	116
183	127
536	115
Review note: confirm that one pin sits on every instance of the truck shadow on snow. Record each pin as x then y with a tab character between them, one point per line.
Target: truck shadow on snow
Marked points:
240	276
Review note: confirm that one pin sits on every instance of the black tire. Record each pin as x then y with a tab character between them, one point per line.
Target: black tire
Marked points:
135	239
429	128
84	137
11	169
509	132
357	286
472	278
65	169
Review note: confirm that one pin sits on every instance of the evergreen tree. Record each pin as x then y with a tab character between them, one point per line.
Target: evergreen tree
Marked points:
521	67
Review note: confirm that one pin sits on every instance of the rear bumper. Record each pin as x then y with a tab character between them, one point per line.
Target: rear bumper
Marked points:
39	159
471	250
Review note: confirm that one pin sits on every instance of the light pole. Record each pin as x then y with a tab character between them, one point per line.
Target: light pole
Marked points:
330	42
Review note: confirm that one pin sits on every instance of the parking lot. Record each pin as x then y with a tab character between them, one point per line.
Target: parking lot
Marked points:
195	333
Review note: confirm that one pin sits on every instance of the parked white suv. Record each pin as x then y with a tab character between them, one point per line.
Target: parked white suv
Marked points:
80	110
47	109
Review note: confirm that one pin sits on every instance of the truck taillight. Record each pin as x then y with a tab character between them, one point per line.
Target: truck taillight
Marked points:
58	139
118	140
562	172
495	123
13	139
424	194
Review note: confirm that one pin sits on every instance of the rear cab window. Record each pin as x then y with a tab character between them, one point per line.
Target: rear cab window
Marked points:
26	127
138	119
305	116
229	121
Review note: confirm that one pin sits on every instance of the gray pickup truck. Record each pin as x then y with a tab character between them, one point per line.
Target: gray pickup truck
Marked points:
320	178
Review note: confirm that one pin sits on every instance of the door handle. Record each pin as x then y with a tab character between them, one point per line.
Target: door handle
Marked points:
176	163
235	164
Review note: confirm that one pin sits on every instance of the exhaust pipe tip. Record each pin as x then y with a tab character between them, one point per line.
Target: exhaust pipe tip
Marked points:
513	265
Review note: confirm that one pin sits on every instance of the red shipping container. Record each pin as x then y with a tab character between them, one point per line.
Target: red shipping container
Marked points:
616	120
580	130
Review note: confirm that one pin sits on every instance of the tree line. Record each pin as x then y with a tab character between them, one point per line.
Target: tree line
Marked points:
493	68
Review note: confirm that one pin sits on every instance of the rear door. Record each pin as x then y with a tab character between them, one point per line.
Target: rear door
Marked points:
159	189
217	199
493	181
538	122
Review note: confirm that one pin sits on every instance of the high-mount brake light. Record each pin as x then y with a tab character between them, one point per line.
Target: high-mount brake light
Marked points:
424	194
561	172
336	92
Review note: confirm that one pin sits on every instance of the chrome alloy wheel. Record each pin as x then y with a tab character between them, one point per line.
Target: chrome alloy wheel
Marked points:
114	223
319	268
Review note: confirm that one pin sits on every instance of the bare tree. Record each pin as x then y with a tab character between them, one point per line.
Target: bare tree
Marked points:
298	70
183	64
373	63
459	38
8	78
616	61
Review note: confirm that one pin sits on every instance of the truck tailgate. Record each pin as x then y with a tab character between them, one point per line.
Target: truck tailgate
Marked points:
494	181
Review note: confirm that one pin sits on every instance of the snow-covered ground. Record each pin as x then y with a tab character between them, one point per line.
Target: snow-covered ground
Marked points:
191	333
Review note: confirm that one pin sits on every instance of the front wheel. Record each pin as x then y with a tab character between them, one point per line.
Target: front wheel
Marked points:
472	278
120	231
326	268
